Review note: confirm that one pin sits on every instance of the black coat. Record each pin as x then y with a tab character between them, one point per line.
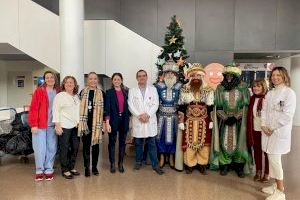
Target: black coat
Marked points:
112	109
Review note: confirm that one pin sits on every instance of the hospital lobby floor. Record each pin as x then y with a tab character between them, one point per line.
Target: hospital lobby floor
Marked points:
17	182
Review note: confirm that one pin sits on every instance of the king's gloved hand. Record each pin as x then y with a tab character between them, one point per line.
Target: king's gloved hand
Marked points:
230	121
181	126
211	125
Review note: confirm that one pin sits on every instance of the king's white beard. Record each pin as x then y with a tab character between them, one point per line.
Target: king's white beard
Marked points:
170	82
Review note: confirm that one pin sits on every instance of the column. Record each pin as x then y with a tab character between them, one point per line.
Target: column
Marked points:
71	14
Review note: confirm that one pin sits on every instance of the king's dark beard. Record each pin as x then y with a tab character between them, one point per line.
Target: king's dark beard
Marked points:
195	85
235	81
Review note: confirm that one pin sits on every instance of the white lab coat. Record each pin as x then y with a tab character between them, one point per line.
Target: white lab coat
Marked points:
138	105
277	113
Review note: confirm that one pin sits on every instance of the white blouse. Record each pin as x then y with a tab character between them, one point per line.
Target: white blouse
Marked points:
66	110
256	118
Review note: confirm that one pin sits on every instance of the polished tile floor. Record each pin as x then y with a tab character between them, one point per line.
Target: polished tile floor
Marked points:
16	182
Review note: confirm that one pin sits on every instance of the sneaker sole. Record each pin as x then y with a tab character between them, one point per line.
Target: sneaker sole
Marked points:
267	192
49	179
39	179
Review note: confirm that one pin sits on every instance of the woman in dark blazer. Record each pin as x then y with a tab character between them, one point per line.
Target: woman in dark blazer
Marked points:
117	119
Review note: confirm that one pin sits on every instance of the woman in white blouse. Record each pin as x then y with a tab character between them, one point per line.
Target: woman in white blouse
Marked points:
66	117
276	123
254	132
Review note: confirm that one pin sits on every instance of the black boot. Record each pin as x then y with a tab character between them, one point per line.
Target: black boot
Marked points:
87	172
112	168
239	169
95	171
202	169
121	168
223	170
188	170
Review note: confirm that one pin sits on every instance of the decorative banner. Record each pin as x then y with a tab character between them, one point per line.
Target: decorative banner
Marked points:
214	74
269	66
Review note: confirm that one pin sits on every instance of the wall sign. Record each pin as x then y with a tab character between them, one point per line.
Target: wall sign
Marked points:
20	81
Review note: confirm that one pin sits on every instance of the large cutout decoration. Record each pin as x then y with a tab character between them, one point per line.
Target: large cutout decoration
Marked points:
214	74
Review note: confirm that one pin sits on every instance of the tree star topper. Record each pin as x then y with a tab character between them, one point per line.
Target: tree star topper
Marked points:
178	21
172	40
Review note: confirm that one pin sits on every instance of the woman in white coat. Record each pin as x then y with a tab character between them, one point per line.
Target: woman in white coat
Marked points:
143	103
277	121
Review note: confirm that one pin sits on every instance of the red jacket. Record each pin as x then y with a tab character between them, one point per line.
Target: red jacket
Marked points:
38	111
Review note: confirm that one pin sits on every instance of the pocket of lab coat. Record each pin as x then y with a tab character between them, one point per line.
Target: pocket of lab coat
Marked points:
281	134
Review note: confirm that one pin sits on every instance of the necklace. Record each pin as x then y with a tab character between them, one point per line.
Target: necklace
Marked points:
74	99
90	105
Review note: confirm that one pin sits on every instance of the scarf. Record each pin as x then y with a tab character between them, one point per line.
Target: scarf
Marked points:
250	126
97	115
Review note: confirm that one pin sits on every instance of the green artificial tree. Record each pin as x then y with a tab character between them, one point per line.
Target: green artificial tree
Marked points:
173	49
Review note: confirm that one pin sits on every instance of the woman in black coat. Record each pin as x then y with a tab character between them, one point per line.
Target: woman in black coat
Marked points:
117	119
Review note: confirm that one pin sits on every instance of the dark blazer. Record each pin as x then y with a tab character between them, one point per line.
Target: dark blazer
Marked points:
112	109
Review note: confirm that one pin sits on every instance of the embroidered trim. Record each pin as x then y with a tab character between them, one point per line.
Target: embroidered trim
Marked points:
196	126
239	114
167	110
222	114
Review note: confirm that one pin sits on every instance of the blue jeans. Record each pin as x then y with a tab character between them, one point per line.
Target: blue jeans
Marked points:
139	144
44	144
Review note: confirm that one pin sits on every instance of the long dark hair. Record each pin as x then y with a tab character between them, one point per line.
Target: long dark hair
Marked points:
56	84
113	76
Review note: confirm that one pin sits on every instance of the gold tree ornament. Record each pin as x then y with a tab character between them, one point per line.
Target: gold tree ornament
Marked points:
172	40
178	22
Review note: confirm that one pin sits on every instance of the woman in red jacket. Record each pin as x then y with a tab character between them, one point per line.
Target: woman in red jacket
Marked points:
44	139
259	89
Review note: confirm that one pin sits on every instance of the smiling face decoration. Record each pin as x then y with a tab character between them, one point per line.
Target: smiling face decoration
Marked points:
214	74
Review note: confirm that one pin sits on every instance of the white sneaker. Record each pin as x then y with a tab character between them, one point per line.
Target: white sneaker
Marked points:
277	195
270	189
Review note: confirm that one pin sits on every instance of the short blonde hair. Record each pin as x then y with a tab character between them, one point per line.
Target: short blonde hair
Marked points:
262	83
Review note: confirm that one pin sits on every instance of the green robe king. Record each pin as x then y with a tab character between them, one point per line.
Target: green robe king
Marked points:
229	142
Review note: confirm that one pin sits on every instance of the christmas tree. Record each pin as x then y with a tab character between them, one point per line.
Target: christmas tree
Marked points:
173	49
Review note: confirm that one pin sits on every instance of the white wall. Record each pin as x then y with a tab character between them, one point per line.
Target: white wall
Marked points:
94	46
3	84
127	52
11	95
39	33
285	62
111	47
9	28
19	96
295	84
32	29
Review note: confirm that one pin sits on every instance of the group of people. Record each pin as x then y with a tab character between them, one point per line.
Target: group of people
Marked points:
187	125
